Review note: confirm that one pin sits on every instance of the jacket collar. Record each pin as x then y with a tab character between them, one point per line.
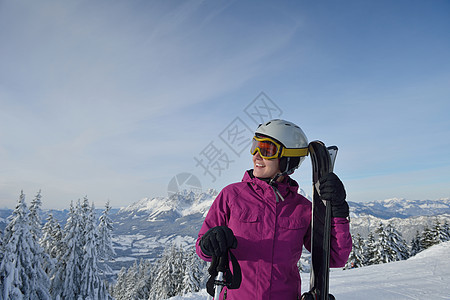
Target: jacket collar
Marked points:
285	187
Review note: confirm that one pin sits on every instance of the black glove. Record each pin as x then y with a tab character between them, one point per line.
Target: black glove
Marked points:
332	189
217	240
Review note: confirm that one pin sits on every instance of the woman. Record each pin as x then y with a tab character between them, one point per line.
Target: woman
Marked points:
266	222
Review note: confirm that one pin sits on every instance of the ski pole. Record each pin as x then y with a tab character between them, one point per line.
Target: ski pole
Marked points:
218	266
219	283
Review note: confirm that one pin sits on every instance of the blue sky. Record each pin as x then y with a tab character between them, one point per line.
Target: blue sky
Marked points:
113	99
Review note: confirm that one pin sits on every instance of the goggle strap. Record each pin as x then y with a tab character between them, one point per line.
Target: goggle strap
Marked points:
294	152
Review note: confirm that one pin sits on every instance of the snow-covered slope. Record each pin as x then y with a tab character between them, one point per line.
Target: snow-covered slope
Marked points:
425	276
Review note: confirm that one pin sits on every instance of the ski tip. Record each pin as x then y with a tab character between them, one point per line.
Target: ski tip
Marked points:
335	148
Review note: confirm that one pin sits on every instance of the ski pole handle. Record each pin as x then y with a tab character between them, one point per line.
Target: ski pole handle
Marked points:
219	285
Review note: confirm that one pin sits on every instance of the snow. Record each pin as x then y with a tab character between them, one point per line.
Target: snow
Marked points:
202	295
185	203
424	276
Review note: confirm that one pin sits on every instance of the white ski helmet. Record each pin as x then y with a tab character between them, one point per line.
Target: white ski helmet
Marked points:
290	136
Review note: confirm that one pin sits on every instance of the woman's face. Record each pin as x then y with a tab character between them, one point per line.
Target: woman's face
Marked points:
263	168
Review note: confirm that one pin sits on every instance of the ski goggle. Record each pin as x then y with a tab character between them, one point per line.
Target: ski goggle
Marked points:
270	149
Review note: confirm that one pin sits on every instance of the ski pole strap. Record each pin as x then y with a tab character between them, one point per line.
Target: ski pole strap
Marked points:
235	278
212	270
230	280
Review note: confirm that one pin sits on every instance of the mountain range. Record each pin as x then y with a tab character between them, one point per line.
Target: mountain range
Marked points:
145	228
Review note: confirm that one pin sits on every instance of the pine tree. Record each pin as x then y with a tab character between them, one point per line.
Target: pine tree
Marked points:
36	231
1	247
427	239
131	278
439	232
356	258
415	244
396	246
119	288
390	244
134	283
66	282
92	287
193	273
370	253
436	232
144	281
168	274
52	235
446	231
47	242
382	246
35	216
105	248
21	274
83	212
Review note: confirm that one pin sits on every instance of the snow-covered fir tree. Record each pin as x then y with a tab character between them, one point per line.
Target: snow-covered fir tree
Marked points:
92	287
446	231
397	247
356	258
439	232
177	272
143	286
168	274
428	238
415	244
136	282
119	288
21	274
130	282
105	248
83	213
370	253
194	273
383	254
66	283
1	245
51	241
47	261
35	217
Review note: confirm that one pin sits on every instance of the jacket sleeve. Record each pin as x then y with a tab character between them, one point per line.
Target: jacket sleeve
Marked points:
218	215
341	242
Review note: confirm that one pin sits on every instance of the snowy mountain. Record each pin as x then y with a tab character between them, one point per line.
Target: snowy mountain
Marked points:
145	228
424	276
400	208
408	227
177	205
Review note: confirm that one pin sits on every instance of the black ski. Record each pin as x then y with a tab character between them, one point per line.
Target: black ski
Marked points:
322	160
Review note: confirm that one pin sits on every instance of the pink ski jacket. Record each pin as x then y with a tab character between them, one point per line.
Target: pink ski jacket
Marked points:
270	236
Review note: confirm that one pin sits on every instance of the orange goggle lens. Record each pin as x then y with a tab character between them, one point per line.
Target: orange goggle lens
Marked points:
266	148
